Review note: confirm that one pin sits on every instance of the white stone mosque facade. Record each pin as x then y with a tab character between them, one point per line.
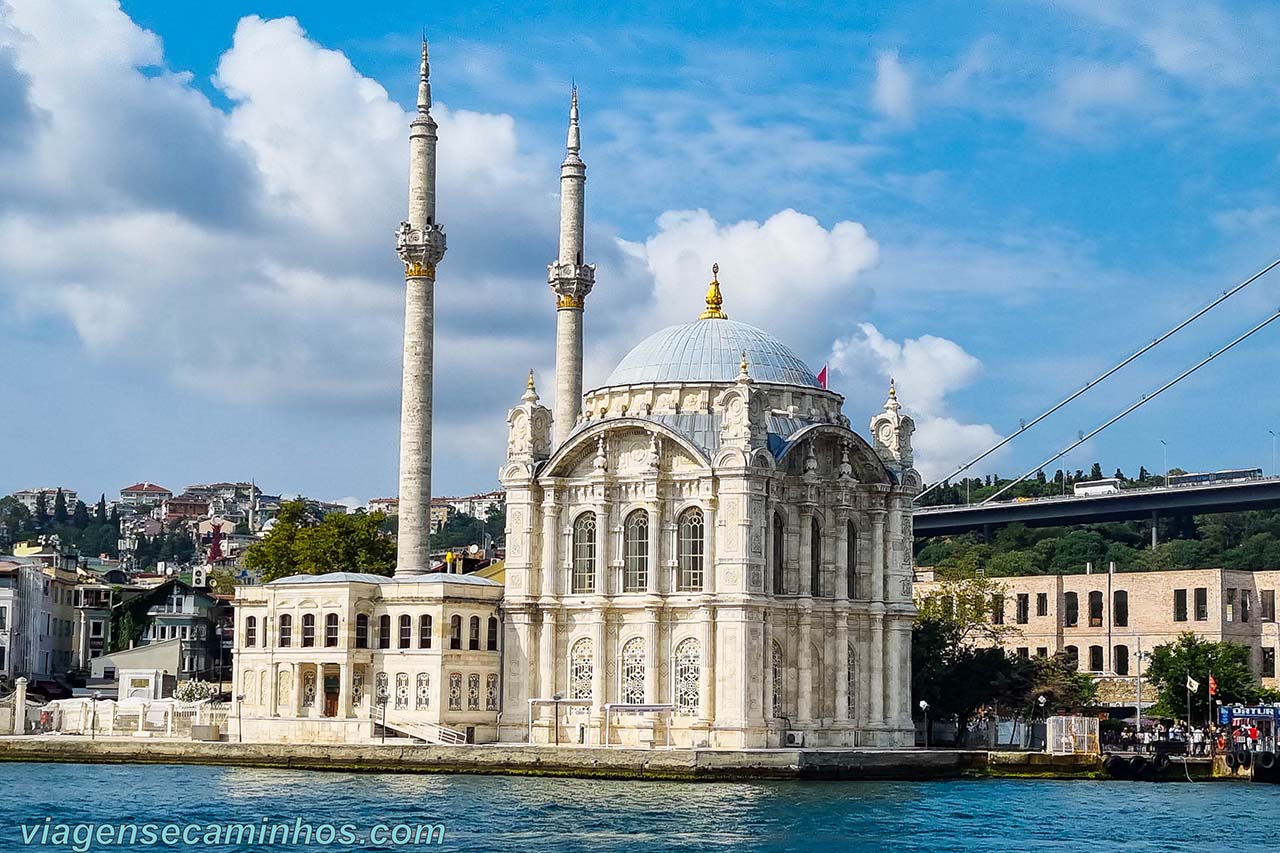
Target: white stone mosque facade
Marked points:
700	552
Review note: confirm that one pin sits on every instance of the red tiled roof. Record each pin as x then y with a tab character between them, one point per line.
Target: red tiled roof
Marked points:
145	487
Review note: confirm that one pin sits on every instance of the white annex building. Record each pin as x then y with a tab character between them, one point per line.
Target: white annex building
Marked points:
701	551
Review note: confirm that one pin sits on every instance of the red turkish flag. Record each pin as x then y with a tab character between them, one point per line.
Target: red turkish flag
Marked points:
1213	686
822	376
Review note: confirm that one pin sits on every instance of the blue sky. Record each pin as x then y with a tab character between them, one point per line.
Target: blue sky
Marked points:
196	264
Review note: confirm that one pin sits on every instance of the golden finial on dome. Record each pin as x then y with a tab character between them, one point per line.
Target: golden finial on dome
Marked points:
530	383
714	299
893	390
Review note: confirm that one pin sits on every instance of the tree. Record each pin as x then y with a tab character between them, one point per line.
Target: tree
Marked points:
100	512
59	508
42	511
1199	658
1095	473
14	516
80	518
299	544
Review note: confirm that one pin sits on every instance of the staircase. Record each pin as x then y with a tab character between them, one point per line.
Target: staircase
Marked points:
429	732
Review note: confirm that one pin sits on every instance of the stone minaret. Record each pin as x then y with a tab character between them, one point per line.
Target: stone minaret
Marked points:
571	280
420	243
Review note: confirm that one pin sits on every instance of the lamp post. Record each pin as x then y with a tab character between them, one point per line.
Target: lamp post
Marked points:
382	706
1140	656
555	699
93	725
239	724
1272	433
1165	445
924	706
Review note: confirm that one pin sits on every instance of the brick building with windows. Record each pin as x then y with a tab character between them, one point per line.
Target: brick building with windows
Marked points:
1103	620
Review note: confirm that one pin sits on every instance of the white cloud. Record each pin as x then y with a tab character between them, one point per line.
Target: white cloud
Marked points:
894	93
926	370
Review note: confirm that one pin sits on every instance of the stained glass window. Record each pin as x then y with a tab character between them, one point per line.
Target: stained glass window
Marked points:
692	548
424	691
635	577
688	675
633	666
584	553
581	669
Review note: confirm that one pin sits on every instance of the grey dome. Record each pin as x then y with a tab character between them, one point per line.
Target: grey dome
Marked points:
711	351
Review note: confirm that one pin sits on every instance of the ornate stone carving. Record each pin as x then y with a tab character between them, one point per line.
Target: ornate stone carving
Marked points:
891	431
421	249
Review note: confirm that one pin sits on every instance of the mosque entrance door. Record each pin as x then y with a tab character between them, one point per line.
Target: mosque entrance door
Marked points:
331	695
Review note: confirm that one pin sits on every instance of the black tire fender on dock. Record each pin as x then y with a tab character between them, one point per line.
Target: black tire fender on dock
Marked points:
1162	761
1243	757
1266	760
1232	763
1137	765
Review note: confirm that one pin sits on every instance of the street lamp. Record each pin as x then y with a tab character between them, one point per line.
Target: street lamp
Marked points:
555	698
239	724
924	707
1272	433
382	705
1140	656
1164	444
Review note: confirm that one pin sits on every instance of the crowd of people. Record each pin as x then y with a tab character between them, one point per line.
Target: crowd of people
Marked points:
1179	736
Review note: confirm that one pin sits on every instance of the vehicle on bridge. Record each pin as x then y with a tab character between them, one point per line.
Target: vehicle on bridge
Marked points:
1097	487
1215	477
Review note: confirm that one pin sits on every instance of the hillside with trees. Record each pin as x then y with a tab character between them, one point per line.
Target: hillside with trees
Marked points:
1241	540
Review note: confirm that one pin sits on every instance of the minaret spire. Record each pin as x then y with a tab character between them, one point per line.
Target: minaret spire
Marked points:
420	243
571	279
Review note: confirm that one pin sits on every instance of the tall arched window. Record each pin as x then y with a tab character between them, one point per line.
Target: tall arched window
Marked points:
1070	609
423	691
633	666
455	632
851	684
1120	608
362	630
491	640
635	572
250	631
286	630
384	631
779	554
776	674
687	674
1095	609
815	557
474	635
331	630
406	631
692	547
851	560
584	553
1096	663
424	631
581	669
1073	657
308	630
1120	660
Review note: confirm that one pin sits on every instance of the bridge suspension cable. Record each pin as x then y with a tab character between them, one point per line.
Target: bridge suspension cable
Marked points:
1146	398
1226	294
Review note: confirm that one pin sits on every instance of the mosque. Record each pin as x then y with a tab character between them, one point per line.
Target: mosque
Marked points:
699	552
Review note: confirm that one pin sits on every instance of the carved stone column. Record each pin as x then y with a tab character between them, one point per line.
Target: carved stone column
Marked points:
842	667
804	671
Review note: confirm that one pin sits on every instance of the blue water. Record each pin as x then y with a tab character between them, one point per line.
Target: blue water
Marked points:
526	814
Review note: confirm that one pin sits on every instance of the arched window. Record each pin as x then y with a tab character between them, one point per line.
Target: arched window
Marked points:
455	632
362	630
635	573
815	557
475	633
423	692
308	630
687	674
1073	657
384	631
776	674
779	554
1120	608
424	631
331	630
851	561
406	631
286	630
1095	609
633	666
584	553
381	688
492	638
692	547
851	684
1070	610
581	669
402	691
1121	660
250	631
1095	659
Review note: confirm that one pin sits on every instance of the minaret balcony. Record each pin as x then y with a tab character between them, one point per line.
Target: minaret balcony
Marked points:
420	248
571	281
